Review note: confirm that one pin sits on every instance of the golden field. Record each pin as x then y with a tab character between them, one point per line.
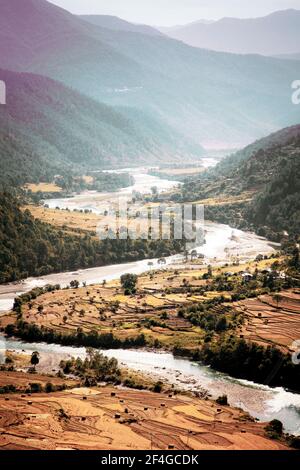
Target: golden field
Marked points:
108	418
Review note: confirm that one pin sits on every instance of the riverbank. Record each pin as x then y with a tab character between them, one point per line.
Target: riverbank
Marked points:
153	312
106	318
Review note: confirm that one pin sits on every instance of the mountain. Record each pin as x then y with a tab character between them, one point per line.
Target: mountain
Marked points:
234	166
46	127
209	98
268	171
171	29
30	247
275	34
117	24
289	56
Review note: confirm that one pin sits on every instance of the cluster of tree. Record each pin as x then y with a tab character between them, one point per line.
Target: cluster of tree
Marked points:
93	369
250	361
71	182
96	181
129	282
29	247
33	387
106	181
208	317
92	339
32	295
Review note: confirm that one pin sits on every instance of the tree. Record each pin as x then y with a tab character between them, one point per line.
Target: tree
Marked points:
35	359
222	400
129	282
74	284
274	428
157	388
277	299
221	324
162	261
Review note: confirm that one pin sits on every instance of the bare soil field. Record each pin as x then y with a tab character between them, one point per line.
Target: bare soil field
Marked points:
246	196
110	418
43	188
22	380
272	319
63	218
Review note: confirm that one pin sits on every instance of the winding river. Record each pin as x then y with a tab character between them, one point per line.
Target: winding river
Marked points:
262	402
220	242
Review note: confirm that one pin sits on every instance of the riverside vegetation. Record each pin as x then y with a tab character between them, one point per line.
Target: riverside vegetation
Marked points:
197	316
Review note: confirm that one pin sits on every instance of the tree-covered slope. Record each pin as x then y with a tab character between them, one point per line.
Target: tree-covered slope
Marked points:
46	127
29	247
210	97
118	24
269	171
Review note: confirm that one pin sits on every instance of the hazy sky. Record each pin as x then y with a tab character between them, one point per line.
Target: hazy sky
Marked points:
171	12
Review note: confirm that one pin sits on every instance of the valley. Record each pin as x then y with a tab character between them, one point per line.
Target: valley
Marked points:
149	231
151	317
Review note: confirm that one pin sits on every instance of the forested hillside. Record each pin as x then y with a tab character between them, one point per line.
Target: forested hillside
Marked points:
209	97
47	127
29	247
268	171
278	205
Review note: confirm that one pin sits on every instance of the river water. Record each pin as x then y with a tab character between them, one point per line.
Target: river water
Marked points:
220	245
260	401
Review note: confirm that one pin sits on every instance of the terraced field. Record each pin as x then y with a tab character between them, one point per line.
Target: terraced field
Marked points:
110	419
272	320
106	309
22	380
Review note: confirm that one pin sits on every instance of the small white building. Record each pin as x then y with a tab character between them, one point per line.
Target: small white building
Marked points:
247	277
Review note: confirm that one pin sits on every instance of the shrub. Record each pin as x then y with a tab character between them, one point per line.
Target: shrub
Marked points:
222	400
49	387
157	388
274	429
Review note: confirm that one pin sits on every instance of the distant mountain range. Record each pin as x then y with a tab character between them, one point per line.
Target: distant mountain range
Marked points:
209	98
275	34
171	29
289	56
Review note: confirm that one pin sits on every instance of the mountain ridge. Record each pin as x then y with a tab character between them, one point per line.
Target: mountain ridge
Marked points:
56	126
268	173
271	35
169	81
118	24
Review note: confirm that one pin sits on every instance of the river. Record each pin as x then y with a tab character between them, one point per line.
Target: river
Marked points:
260	401
220	246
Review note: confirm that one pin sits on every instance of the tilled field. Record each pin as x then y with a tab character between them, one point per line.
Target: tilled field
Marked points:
109	418
272	320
